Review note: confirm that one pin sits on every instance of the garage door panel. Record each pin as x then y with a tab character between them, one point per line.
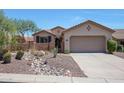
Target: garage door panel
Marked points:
87	44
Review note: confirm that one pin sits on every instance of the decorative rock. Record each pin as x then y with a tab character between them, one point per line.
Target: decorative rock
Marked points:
68	73
40	66
38	53
45	69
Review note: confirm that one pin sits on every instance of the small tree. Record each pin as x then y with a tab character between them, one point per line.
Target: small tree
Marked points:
24	26
111	46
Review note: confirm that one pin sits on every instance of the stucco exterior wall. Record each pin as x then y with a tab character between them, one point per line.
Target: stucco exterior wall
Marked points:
83	31
44	46
57	32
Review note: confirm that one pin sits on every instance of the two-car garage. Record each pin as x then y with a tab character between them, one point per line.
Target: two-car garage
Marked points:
87	44
87	37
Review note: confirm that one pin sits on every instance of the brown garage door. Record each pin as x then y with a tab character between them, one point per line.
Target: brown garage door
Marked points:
87	44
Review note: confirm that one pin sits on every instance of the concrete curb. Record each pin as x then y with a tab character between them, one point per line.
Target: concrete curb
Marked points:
26	78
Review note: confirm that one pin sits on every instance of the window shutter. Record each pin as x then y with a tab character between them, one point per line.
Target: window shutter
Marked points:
37	39
49	39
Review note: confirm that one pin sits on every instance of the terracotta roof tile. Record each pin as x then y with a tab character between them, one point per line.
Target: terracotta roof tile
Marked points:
119	34
48	31
57	27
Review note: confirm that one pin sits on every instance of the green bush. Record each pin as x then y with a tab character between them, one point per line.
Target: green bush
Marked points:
66	51
120	48
5	51
111	46
2	52
19	55
7	58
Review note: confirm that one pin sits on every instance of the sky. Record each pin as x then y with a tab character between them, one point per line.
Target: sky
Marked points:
49	18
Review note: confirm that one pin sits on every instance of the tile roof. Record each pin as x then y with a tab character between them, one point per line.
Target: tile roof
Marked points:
119	34
58	27
48	31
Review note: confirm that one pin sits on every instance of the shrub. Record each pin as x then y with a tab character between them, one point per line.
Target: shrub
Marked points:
111	46
2	52
66	51
19	55
7	58
5	51
120	48
55	51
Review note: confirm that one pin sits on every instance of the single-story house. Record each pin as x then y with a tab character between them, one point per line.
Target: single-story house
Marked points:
88	36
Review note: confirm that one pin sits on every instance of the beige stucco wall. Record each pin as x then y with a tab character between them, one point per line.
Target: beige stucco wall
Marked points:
82	31
57	32
44	46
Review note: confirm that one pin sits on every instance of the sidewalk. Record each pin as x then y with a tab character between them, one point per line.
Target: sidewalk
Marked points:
24	78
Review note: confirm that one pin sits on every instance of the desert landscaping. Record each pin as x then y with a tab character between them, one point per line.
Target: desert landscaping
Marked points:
42	63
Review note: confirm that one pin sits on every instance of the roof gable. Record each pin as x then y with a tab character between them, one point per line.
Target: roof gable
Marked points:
58	27
47	31
90	22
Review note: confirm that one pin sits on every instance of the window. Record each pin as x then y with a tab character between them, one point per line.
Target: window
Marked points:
49	38
46	39
43	39
122	42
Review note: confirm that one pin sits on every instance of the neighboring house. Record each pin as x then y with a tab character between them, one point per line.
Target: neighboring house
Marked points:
88	36
29	41
25	42
119	36
25	39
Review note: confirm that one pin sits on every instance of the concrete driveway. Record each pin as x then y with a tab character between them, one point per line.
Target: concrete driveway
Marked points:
100	65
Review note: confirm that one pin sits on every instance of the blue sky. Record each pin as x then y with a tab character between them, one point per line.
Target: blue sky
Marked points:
46	19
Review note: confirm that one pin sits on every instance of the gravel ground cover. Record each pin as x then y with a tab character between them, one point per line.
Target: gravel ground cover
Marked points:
62	65
119	54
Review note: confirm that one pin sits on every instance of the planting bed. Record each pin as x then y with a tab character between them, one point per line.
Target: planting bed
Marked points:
119	54
55	66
